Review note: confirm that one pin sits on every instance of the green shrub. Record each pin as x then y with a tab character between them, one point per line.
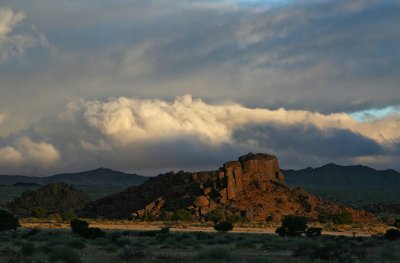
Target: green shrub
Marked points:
183	215
167	216
234	218
223	226
216	216
392	234
8	221
68	217
39	212
336	218
292	225
82	228
78	226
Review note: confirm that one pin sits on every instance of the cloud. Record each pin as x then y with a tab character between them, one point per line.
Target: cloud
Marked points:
2	118
308	140
148	135
15	44
27	154
128	120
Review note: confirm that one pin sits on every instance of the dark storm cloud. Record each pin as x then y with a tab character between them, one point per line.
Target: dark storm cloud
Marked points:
308	140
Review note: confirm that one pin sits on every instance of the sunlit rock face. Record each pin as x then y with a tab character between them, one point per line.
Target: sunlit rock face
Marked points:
253	187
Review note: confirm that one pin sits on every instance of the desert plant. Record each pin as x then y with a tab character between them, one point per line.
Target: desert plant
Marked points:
78	226
68	216
216	216
292	225
82	228
392	234
336	218
224	226
8	221
183	215
39	212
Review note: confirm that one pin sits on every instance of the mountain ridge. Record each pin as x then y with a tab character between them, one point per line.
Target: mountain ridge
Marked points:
98	176
335	175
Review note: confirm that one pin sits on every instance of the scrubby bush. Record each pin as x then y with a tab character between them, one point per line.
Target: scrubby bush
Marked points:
68	217
78	225
392	234
39	212
82	228
336	218
216	216
223	226
183	215
8	221
292	225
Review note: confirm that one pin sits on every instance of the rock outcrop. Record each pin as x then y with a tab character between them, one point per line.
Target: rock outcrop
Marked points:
252	187
56	198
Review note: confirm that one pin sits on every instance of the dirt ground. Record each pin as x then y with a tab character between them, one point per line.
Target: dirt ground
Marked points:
344	230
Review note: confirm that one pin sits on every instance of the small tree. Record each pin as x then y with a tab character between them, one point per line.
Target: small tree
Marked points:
82	228
68	216
8	221
223	226
292	225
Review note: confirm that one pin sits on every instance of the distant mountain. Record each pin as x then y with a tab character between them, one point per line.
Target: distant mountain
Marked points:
100	176
333	175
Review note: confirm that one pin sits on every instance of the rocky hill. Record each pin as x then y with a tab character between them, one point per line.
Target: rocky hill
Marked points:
56	198
252	187
100	176
333	175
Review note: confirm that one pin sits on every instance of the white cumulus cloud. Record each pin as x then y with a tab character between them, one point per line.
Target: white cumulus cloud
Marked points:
27	153
127	120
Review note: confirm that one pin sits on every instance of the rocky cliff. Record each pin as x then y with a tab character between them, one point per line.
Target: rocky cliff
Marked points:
252	187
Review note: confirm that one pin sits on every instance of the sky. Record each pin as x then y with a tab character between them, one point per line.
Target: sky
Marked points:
150	86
